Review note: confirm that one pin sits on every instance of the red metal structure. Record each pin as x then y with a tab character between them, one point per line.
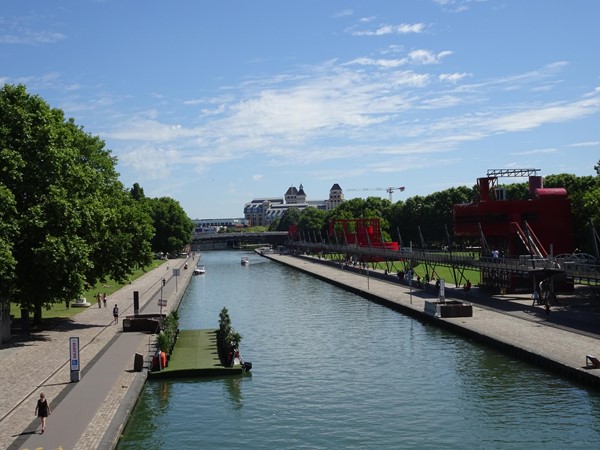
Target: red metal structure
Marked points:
360	232
517	227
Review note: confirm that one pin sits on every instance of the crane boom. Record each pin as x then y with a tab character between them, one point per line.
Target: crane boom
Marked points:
389	190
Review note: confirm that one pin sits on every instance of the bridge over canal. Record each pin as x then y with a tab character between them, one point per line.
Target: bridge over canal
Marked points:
238	240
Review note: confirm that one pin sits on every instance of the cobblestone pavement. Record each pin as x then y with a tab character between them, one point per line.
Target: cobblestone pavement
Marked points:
41	364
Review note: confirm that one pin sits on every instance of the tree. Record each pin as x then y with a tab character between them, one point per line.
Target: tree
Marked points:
311	223
291	216
64	189
8	232
137	192
597	167
173	228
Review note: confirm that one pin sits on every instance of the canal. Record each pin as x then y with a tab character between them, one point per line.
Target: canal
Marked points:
333	370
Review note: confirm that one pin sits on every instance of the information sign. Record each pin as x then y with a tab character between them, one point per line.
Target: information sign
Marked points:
74	350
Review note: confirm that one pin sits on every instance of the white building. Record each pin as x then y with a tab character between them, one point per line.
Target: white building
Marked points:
264	211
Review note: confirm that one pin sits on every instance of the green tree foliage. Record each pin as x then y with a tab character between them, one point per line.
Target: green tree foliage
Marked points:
274	225
312	223
290	217
172	226
517	191
8	231
65	208
583	207
137	192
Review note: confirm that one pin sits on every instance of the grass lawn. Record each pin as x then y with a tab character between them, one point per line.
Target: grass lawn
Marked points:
473	275
59	310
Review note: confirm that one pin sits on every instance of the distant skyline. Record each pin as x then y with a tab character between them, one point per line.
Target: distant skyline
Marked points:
217	103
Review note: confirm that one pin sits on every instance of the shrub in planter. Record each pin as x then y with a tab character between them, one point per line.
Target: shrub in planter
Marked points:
228	340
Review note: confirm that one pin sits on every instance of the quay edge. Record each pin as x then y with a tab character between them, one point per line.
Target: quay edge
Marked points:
394	297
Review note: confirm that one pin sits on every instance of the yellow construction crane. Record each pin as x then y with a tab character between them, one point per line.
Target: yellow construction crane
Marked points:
389	190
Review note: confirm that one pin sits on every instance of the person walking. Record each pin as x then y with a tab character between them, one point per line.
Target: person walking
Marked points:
116	313
99	298
104	298
42	410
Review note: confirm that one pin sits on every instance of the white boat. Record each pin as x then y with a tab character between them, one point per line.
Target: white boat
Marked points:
245	261
199	270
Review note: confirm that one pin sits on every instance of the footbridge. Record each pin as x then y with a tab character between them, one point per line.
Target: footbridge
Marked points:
238	239
497	272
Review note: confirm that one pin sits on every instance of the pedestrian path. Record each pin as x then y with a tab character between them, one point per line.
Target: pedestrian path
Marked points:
90	413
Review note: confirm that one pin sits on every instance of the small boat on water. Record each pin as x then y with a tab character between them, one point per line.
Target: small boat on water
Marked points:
245	261
199	270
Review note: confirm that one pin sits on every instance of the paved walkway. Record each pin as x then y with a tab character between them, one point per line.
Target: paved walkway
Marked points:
560	340
91	413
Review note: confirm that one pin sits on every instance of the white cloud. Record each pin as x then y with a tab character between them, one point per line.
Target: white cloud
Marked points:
452	77
386	63
585	144
427	57
383	30
337	111
32	38
22	31
418	57
544	114
151	130
534	152
457	5
343	13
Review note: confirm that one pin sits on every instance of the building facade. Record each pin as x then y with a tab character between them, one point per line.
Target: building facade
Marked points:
264	211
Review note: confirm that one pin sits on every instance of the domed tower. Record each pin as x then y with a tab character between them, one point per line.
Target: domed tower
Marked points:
291	196
301	195
336	197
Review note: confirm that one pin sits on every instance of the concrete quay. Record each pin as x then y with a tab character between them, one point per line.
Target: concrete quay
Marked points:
558	341
90	413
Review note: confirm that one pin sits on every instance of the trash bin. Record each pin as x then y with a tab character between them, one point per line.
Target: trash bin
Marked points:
138	362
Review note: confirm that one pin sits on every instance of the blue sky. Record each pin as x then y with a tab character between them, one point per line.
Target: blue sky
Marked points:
215	103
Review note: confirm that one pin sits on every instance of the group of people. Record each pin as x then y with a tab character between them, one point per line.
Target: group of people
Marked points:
102	299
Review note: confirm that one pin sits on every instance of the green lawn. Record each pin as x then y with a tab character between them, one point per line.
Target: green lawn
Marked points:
443	272
59	310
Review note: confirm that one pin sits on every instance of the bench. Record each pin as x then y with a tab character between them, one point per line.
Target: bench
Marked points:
592	362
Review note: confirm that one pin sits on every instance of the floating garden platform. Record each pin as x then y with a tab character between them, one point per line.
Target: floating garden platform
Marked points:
195	355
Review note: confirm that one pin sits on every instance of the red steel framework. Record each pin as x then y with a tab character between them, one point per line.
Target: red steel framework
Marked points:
536	227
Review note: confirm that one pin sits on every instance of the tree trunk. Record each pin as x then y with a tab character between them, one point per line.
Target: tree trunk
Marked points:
37	315
25	321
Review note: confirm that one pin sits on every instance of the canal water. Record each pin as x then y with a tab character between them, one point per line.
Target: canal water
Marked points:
335	371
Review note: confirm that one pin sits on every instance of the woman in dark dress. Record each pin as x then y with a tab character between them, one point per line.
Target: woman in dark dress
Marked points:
42	410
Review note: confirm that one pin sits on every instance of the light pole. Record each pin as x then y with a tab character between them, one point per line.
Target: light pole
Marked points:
410	286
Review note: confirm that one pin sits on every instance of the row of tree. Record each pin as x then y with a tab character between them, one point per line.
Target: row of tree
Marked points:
66	221
430	217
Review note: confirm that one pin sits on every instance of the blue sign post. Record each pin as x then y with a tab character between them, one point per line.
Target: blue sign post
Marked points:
74	356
